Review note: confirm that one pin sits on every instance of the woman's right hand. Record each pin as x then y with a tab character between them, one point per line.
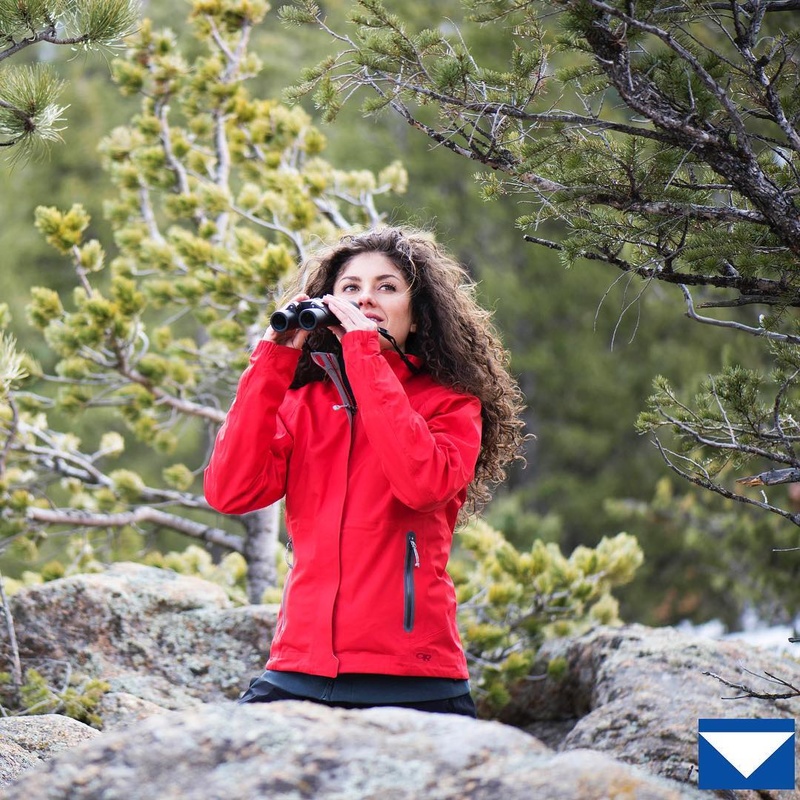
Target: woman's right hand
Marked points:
294	337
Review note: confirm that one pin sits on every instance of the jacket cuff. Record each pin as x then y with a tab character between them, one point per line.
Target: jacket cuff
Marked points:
280	356
364	342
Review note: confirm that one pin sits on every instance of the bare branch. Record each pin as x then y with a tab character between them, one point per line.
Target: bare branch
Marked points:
772	477
46	35
747	691
16	665
738	326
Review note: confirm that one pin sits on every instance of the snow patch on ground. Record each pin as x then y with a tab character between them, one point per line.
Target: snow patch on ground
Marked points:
774	638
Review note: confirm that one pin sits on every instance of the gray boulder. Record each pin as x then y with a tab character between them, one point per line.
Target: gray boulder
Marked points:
637	693
168	640
297	750
626	704
26	742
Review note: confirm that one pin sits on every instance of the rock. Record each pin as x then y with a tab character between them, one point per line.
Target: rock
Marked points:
301	750
169	640
120	708
28	741
173	649
637	693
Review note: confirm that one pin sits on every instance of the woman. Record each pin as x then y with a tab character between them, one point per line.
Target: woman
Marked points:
381	432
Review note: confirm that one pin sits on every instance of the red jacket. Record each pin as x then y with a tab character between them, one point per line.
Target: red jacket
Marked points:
370	506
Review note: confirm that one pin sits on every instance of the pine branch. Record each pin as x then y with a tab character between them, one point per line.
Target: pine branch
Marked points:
730	156
162	396
41	36
754	290
135	517
701	478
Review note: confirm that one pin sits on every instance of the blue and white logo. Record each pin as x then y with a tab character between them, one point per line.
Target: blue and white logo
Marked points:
745	753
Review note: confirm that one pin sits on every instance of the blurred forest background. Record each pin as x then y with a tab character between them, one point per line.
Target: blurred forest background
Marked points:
585	343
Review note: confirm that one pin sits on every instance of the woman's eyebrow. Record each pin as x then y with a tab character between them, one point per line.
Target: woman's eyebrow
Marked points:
357	279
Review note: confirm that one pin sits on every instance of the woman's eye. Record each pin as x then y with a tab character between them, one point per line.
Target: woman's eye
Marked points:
349	287
388	287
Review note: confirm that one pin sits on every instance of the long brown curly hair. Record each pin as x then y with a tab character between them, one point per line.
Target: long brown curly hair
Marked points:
454	338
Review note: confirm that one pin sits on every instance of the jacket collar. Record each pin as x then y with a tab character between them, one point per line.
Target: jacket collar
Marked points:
334	369
399	367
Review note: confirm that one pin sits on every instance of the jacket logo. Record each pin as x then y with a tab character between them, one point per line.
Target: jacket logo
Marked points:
424	656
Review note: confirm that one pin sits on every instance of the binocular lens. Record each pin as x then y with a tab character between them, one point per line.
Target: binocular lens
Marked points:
310	318
307	314
280	321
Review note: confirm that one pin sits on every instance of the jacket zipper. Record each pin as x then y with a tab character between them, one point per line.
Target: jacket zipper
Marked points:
288	553
412	563
335	371
288	557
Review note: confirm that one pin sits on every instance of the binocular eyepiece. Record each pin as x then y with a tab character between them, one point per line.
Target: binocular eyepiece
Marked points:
307	314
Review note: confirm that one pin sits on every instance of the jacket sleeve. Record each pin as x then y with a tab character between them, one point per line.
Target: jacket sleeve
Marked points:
429	455
247	468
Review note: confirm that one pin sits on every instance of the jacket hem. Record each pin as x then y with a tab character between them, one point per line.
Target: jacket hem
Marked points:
374	664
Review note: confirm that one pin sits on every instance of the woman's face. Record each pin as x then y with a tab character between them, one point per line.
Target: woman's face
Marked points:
379	288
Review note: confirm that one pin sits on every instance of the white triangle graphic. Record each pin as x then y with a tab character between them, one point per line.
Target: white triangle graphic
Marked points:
746	750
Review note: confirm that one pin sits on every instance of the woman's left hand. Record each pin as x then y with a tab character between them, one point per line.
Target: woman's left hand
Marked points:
350	315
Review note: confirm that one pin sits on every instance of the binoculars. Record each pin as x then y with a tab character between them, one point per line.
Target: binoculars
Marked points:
307	314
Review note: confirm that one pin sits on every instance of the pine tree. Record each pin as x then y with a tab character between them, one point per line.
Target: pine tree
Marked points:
219	196
658	139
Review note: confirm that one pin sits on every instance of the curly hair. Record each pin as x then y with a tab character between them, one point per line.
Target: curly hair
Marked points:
454	338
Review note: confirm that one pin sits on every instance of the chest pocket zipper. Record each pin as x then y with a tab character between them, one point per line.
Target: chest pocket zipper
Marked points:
288	554
411	563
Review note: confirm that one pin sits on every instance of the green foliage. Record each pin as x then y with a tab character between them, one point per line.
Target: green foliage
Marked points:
738	416
102	22
62	231
638	138
708	559
512	600
79	699
30	116
218	196
633	186
28	101
230	573
303	13
12	365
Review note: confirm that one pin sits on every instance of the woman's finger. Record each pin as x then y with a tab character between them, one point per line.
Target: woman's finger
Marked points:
350	315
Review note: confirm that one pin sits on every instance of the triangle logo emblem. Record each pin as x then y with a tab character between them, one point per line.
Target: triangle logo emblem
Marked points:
746	751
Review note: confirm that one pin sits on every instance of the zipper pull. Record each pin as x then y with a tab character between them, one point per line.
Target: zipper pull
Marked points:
413	542
287	554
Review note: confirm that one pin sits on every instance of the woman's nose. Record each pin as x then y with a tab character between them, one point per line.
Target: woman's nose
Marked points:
366	298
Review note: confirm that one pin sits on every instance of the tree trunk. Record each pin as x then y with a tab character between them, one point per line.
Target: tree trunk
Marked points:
13	655
261	541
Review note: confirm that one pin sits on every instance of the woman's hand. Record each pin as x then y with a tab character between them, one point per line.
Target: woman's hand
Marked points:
349	314
294	337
